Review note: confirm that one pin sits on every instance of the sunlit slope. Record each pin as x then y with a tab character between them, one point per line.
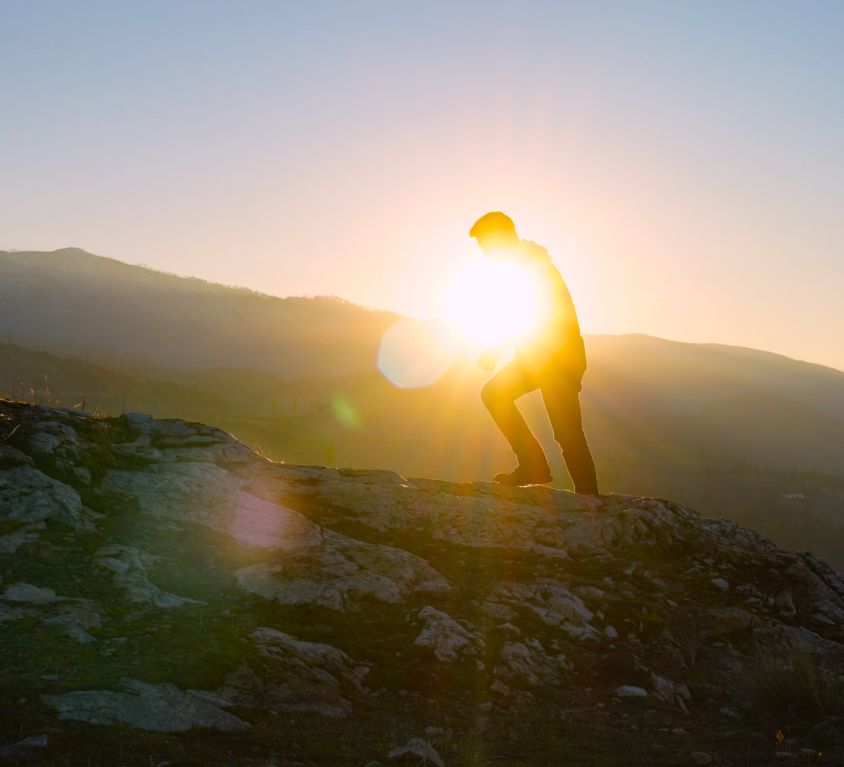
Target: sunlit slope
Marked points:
168	591
748	434
72	302
681	377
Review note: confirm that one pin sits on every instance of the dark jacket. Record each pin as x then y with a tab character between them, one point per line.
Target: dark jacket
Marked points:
555	339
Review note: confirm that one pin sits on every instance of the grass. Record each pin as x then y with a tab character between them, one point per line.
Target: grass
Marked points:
795	687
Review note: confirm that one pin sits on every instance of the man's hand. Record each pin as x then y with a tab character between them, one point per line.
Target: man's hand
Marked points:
488	359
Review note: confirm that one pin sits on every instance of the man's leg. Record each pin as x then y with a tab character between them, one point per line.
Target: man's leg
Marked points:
561	395
499	395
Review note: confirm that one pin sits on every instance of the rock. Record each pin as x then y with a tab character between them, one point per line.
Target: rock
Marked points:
341	573
138	421
720	584
415	749
146	706
42	443
73	618
700	757
527	664
83	474
629	691
26	592
295	675
26	750
671	692
11	457
10	613
204	493
130	567
509	630
785	604
11	542
296	591
552	602
445	636
28	495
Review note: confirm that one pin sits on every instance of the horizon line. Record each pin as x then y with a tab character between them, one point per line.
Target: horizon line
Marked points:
374	309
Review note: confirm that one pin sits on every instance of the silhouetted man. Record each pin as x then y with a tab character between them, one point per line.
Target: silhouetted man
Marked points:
550	357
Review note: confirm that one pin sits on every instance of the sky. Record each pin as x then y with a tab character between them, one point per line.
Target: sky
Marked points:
682	162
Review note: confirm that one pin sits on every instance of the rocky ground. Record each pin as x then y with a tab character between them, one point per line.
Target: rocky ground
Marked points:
169	597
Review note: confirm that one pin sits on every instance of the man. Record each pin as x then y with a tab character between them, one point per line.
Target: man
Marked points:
549	357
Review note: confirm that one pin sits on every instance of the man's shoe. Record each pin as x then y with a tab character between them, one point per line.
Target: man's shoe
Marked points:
524	475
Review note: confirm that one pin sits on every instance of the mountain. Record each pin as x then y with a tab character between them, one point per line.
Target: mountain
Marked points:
752	435
169	596
72	302
682	377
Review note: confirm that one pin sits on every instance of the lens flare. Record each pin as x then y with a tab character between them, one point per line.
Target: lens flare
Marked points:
345	412
417	352
491	301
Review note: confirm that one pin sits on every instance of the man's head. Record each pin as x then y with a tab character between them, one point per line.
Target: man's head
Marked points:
494	232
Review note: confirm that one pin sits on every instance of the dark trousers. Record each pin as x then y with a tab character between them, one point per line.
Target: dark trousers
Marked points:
560	392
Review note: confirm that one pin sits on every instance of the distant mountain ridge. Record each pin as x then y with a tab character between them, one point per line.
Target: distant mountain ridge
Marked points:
72	302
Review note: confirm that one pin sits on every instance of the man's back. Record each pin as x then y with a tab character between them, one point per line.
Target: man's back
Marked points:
555	337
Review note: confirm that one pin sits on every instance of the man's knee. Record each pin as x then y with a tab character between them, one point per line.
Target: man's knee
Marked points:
495	394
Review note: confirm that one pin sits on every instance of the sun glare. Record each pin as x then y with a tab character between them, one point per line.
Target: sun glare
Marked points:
490	302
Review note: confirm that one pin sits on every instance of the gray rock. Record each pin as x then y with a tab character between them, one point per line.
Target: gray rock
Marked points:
785	604
295	676
130	567
630	691
340	574
26	592
73	618
42	443
525	564
415	749
28	749
146	706
28	495
139	421
11	456
671	692
553	602
11	542
445	636
527	664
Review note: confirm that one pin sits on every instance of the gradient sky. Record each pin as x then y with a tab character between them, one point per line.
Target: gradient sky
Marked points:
683	162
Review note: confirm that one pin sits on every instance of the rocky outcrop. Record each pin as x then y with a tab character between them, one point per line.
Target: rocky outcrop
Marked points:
161	581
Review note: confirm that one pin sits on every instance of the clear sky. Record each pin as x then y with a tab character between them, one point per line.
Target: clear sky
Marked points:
683	162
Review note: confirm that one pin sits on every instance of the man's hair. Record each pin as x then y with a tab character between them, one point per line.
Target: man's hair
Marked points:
493	223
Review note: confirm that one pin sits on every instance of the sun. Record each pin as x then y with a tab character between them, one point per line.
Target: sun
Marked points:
491	301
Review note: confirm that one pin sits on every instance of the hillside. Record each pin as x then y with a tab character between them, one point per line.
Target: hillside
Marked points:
169	596
771	463
72	302
750	435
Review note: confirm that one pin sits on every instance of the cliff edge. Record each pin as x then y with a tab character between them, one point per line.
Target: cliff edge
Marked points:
168	596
